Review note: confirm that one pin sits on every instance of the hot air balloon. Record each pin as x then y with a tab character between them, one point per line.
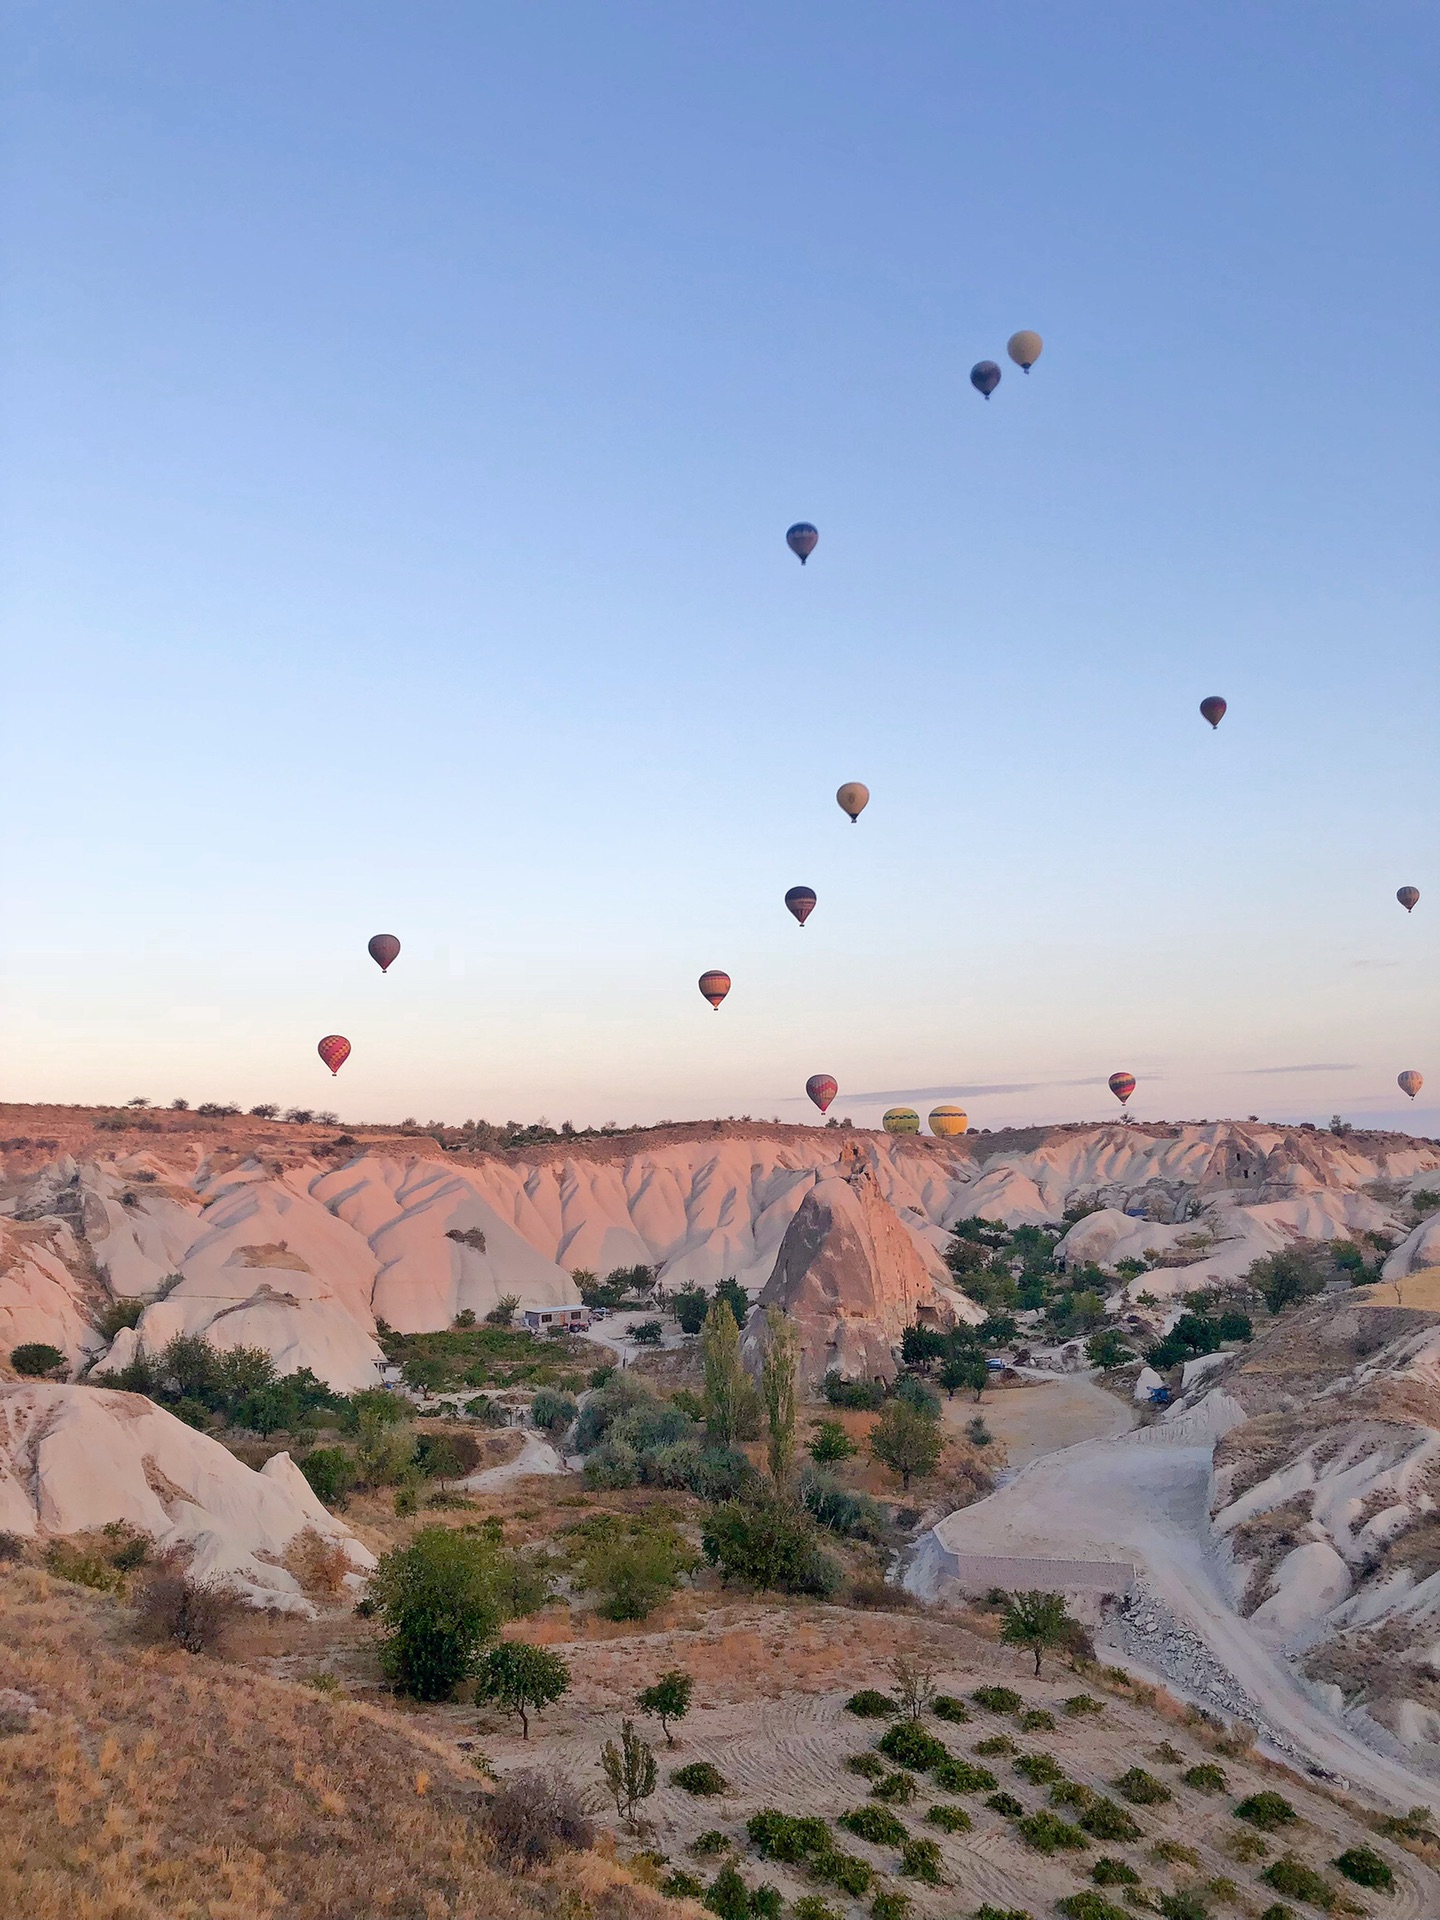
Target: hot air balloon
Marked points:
822	1089
715	985
985	377
854	798
946	1122
384	950
1410	1081
901	1120
1122	1085
802	540
801	902
1407	896
1213	708
334	1050
1025	348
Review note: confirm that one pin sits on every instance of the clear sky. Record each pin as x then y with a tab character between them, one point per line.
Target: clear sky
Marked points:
403	409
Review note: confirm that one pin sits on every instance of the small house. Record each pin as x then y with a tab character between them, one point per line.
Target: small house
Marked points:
540	1319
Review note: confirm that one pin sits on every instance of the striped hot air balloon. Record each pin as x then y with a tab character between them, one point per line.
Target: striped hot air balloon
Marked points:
901	1120
801	902
1122	1085
384	950
1408	898
715	985
946	1122
334	1050
822	1089
802	540
1410	1082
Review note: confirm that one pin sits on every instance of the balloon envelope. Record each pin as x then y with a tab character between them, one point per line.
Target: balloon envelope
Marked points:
822	1089
1025	348
715	985
901	1120
802	539
946	1122
801	902
1122	1085
1213	708
384	950
1407	896
334	1050
854	798
985	377
1410	1081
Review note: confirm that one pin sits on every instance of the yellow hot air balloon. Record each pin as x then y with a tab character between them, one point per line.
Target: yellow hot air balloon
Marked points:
854	797
901	1120
946	1122
1025	348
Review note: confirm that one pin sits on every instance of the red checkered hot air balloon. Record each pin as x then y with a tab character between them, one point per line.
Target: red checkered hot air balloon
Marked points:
1122	1085
334	1050
384	950
715	985
822	1089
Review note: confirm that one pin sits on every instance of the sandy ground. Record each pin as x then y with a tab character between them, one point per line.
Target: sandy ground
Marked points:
1042	1418
536	1456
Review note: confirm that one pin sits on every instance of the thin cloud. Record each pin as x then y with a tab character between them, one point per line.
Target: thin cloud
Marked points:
941	1093
1319	1066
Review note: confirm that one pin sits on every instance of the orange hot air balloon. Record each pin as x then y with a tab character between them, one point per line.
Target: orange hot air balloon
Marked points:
801	902
853	798
822	1089
1408	898
1122	1085
802	540
384	950
1213	708
1410	1081
715	985
334	1050
947	1122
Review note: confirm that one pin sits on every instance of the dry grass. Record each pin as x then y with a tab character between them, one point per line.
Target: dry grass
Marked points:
158	1786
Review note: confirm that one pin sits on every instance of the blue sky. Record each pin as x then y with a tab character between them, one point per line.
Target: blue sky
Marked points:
403	410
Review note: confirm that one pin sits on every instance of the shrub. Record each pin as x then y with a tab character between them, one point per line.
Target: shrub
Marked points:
1268	1811
1366	1868
522	1679
636	1572
890	1906
946	1707
949	1819
1106	1821
786	1837
830	1443
998	1743
907	1441
1175	1853
1206	1778
711	1841
1090	1906
769	1543
1190	1903
1007	1805
116	1314
811	1907
920	1860
195	1614
997	1699
728	1897
1110	1872
319	1563
12	1548
437	1600
1278	1912
83	1569
699	1778
331	1473
959	1776
855	1516
1070	1793
842	1870
1037	1720
534	1816
865	1396
897	1786
1142	1789
1002	1913
35	1358
869	1765
1048	1833
552	1411
682	1886
870	1705
1291	1876
876	1824
1080	1703
1040	1769
911	1746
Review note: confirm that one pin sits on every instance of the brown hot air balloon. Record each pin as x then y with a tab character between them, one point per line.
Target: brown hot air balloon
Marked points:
334	1050
1024	348
801	902
1122	1085
1408	897
1213	708
384	950
715	985
853	797
1410	1081
822	1089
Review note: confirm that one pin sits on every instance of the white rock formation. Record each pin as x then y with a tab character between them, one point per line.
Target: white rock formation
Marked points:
75	1458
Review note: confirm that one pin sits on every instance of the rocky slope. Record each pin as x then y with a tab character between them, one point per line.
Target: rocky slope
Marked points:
296	1239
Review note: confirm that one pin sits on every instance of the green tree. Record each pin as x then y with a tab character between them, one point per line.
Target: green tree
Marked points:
965	1370
1106	1349
735	1297
636	1571
383	1451
436	1599
690	1307
522	1679
668	1699
629	1769
906	1441
1037	1622
769	1543
831	1444
777	1385
331	1473
1289	1276
503	1311
36	1358
731	1403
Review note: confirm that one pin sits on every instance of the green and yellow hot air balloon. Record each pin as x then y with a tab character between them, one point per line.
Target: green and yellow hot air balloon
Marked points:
901	1120
946	1121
